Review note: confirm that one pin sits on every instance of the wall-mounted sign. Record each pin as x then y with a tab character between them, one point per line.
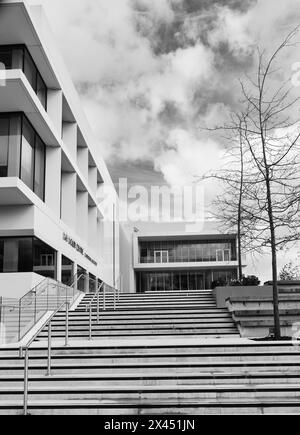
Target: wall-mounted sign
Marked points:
78	248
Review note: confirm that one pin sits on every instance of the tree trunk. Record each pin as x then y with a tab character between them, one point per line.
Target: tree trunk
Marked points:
274	261
240	252
275	289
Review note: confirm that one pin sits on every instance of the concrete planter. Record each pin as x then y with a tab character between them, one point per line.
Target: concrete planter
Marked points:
223	293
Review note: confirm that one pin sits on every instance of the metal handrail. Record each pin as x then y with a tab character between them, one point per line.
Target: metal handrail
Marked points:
24	350
44	282
89	307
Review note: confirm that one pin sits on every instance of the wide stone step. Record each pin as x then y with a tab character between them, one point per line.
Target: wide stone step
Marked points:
182	392
84	318
211	323
149	312
213	332
196	347
156	378
237	368
154	358
161	407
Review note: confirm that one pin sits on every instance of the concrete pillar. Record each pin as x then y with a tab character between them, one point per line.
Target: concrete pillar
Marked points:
75	269
93	179
82	215
69	199
92	228
83	161
54	109
53	179
59	266
69	136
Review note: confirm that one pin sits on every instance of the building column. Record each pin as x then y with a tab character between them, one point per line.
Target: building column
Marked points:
53	179
59	267
75	271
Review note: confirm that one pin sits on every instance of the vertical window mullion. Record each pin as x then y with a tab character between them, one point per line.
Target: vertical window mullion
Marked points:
21	146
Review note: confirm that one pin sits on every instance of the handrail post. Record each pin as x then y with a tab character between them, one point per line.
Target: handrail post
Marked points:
49	348
104	297
26	381
48	296
114	299
19	326
67	324
98	304
90	323
35	314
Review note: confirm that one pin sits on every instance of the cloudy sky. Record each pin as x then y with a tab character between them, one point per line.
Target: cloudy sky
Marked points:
152	72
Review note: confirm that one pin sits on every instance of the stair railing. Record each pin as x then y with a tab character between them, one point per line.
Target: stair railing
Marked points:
24	350
89	308
103	287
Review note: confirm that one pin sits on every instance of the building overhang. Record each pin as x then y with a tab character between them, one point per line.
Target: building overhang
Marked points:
14	192
16	27
18	96
185	266
183	236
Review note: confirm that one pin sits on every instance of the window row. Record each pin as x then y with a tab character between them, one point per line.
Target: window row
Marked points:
18	57
22	152
29	254
185	251
180	280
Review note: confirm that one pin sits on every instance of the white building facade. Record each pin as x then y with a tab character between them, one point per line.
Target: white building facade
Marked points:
52	178
167	257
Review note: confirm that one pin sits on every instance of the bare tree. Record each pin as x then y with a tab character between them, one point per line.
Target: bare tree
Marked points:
265	193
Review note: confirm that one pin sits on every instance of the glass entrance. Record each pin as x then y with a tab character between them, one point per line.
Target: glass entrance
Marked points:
161	257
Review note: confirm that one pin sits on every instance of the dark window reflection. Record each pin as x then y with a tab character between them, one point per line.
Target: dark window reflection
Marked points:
15	255
67	271
81	273
182	251
22	152
44	259
181	280
18	57
4	138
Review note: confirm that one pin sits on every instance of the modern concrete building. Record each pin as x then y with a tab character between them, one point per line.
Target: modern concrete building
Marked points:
165	257
52	223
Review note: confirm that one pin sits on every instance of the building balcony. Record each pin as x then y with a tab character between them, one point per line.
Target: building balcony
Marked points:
186	266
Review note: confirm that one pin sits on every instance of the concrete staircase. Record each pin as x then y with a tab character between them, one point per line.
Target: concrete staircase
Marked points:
155	378
161	314
156	354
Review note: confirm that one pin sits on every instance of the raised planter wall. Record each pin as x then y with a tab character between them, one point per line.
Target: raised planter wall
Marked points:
223	293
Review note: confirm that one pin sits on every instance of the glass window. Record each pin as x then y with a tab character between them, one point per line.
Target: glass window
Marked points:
16	255
11	255
81	272
184	281
39	168
27	159
18	57
67	270
4	138
44	259
6	57
25	255
227	255
41	90
30	70
14	155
